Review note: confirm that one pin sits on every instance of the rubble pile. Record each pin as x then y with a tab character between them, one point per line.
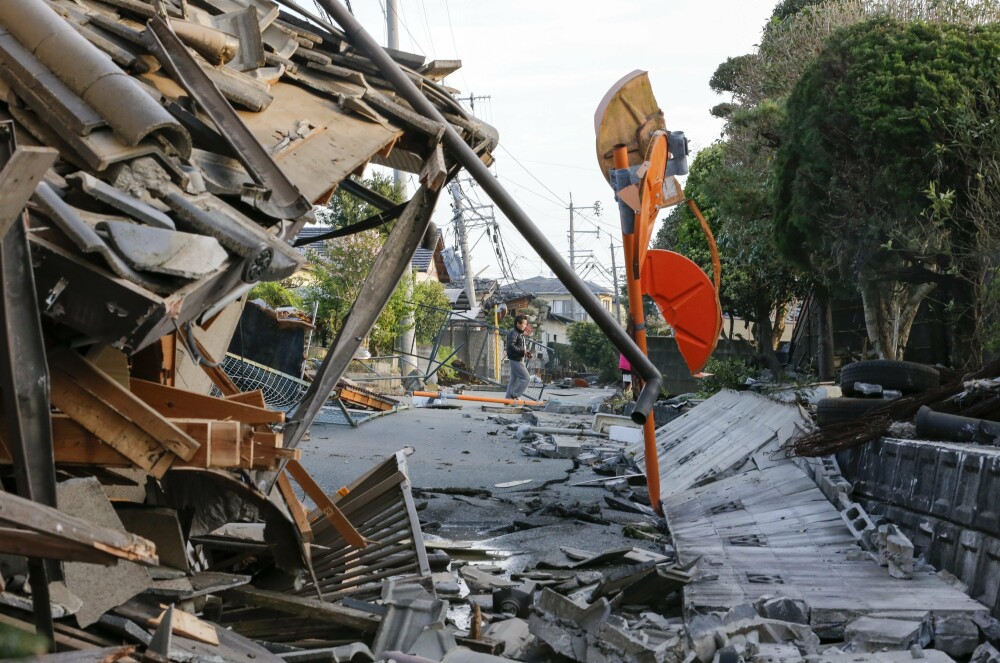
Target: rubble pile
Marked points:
159	158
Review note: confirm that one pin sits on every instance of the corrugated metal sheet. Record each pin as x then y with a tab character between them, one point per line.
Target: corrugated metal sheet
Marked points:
719	435
773	533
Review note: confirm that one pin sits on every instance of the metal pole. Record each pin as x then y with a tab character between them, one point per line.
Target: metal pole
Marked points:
614	277
572	255
463	240
359	38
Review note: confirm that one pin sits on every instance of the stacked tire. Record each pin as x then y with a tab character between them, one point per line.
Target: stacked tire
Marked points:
904	376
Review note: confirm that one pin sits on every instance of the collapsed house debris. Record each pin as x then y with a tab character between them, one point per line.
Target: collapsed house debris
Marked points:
158	159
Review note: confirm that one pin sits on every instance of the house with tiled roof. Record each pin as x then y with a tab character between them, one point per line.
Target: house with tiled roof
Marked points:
560	308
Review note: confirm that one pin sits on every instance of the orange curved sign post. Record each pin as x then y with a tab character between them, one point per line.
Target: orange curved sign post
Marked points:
632	150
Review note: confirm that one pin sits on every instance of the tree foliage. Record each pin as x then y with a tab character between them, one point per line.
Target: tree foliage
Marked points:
864	186
593	349
276	294
432	307
339	270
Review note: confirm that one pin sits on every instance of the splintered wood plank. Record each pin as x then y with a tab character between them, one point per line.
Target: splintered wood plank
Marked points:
85	376
180	403
221	445
329	509
267	450
109	425
187	625
295	507
254	398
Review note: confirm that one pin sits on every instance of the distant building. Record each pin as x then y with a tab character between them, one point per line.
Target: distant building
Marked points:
560	308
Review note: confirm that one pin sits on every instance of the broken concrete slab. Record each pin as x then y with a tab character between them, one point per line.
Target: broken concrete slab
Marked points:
563	625
479	580
100	588
514	634
719	435
894	550
584	558
625	434
560	407
870	634
604	421
985	653
771	532
617	645
955	635
924	656
783	609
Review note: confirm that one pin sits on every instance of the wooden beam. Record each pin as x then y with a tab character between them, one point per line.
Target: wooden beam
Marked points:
65	642
309	608
109	425
254	398
295	508
33	544
329	509
223	445
115	397
56	525
18	179
180	403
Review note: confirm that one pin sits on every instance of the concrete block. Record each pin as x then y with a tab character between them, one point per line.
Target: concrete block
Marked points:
515	635
988	507
985	653
446	583
559	407
881	485
922	616
564	625
945	482
869	634
784	609
776	653
603	421
966	505
626	434
955	635
968	553
612	644
860	525
895	551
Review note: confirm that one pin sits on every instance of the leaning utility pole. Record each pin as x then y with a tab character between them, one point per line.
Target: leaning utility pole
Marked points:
407	336
614	277
596	207
463	242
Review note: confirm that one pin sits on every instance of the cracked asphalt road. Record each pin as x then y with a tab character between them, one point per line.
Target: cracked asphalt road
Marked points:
462	448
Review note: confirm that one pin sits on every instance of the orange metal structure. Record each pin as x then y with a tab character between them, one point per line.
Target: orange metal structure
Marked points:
480	399
632	144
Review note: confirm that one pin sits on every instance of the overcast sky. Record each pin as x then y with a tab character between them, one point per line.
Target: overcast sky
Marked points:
545	66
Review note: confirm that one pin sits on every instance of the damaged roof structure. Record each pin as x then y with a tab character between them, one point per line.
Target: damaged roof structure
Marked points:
159	159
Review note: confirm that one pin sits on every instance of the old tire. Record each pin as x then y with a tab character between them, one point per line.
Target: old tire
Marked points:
838	410
905	376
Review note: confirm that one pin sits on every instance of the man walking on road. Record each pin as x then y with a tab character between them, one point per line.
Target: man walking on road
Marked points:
516	353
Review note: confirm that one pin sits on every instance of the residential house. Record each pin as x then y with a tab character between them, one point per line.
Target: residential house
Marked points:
561	309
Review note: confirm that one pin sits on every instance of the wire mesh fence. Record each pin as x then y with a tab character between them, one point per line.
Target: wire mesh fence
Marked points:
281	391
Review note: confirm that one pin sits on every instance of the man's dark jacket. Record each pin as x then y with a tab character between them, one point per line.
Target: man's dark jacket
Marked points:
515	345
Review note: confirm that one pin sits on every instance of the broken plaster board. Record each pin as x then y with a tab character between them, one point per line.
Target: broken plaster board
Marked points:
773	532
100	588
719	435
